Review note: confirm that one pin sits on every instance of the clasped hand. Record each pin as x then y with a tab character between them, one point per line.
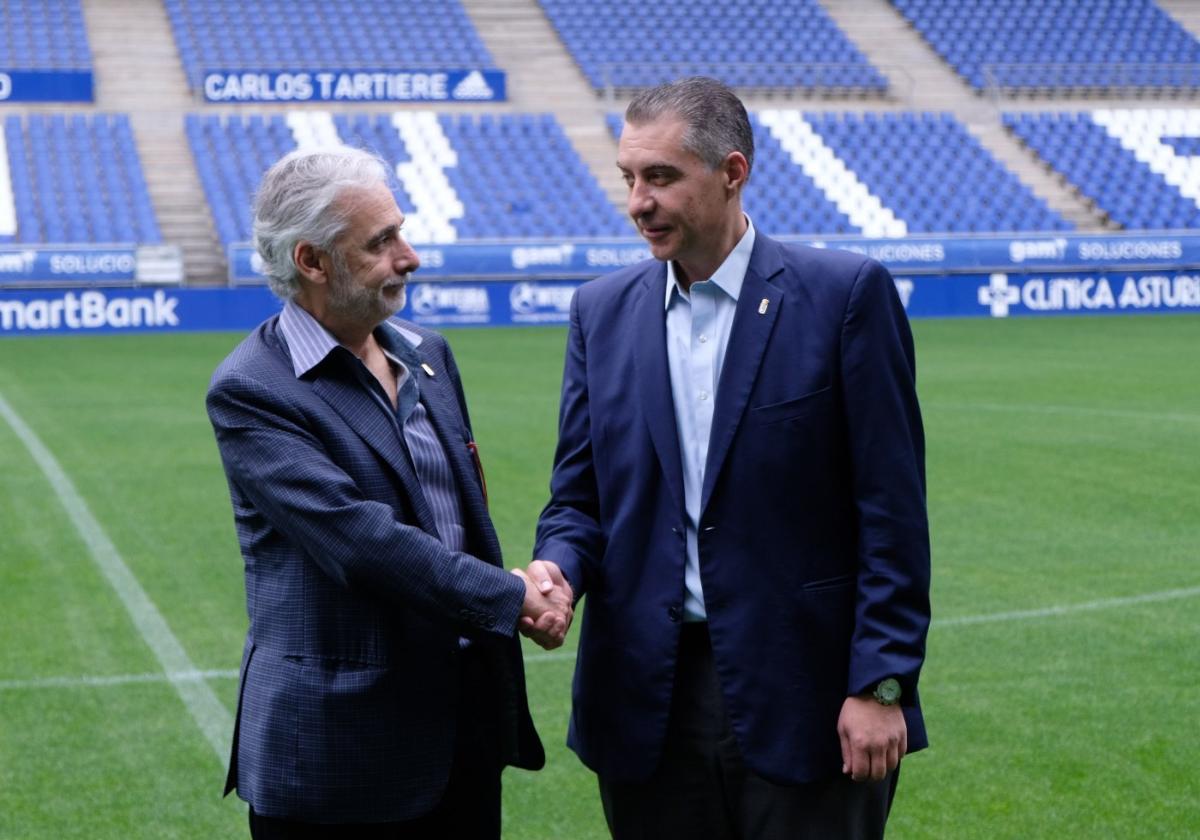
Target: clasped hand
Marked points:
549	604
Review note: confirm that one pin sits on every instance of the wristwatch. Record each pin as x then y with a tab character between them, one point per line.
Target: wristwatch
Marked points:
887	693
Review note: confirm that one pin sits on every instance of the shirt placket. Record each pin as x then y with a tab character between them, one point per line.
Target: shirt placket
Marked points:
702	358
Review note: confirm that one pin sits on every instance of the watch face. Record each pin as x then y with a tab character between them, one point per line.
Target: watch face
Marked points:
888	692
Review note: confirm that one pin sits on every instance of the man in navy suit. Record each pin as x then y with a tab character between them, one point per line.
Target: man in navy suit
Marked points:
382	687
739	491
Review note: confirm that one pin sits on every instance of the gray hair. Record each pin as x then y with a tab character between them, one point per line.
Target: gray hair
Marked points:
716	119
296	203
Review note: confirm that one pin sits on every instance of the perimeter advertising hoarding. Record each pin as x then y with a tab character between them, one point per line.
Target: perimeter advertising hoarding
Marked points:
547	301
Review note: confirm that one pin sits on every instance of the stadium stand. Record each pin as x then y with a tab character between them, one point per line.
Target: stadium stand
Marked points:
43	35
462	177
1038	45
332	34
881	175
755	44
73	179
1138	166
72	175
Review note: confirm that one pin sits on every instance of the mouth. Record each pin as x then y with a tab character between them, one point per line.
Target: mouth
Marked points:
653	233
396	284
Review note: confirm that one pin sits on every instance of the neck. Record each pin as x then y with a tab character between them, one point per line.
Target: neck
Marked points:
356	338
691	272
360	345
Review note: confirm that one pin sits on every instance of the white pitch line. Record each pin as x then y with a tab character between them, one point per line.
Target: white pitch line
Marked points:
561	655
1067	609
116	679
210	715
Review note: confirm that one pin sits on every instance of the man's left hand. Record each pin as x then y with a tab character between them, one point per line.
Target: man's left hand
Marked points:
874	738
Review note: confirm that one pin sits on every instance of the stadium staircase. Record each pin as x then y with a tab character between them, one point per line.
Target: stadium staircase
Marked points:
923	82
542	76
1187	12
137	71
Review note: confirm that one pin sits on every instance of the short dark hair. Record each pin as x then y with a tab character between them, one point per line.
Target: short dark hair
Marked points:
716	120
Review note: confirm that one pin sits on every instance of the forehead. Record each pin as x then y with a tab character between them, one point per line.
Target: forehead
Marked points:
368	209
659	141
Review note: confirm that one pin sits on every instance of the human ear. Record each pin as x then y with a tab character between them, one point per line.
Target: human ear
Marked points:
308	262
737	169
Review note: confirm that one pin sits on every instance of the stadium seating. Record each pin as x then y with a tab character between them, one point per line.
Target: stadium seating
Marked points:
1028	45
1141	167
73	179
754	44
462	177
43	35
330	34
881	175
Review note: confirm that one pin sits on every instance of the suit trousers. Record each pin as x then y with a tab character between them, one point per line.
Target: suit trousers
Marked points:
702	789
469	808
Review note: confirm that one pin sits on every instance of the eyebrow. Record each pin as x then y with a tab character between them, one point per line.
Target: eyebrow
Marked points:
650	169
384	234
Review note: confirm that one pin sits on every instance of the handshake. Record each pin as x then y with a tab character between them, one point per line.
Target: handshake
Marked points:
549	604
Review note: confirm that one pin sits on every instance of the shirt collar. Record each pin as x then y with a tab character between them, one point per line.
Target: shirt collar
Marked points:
309	342
729	276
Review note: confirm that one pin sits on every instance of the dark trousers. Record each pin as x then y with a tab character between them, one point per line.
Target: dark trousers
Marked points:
702	790
470	807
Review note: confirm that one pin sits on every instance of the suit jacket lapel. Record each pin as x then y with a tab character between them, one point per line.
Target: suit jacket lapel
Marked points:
747	342
654	379
365	418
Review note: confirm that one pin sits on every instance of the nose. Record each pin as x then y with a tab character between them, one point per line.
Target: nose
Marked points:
641	201
405	259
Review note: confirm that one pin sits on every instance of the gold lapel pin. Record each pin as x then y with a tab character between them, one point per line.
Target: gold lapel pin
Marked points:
762	307
425	367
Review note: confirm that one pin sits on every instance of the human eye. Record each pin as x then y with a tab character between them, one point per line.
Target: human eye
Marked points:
384	238
660	177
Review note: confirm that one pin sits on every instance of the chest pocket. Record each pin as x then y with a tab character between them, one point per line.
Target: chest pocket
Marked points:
792	409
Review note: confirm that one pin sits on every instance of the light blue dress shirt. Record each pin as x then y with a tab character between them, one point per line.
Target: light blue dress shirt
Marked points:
699	322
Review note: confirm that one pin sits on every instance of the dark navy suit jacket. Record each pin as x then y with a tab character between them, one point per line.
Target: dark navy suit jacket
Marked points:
350	674
813	540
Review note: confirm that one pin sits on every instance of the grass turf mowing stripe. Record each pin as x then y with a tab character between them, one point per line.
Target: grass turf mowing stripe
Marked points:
210	715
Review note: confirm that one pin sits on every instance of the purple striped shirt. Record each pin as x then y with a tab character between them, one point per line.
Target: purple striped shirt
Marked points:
310	343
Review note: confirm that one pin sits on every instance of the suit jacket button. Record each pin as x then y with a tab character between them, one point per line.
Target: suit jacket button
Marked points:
674	613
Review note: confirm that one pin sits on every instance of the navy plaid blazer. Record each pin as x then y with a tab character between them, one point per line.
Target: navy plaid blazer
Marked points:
350	674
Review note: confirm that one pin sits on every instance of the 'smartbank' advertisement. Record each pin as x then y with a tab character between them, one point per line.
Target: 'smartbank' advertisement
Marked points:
541	302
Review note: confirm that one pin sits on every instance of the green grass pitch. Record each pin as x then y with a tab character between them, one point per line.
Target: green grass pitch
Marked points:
1062	688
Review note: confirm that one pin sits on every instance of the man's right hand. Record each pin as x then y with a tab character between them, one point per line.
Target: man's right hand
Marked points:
549	604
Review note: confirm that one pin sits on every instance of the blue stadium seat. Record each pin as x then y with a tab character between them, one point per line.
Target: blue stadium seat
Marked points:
880	175
783	43
461	177
1027	45
46	35
232	35
1140	167
77	179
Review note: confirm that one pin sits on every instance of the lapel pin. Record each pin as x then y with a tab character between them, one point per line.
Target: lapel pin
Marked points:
762	307
425	367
